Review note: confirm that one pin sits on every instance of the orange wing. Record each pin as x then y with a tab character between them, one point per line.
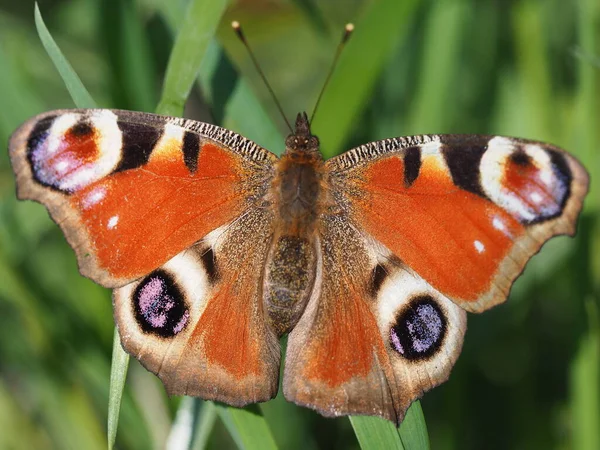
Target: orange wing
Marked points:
132	190
464	212
374	336
198	321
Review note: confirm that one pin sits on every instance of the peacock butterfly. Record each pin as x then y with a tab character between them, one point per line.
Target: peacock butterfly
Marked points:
369	261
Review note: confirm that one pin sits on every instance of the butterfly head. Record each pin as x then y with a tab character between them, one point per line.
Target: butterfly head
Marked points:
302	141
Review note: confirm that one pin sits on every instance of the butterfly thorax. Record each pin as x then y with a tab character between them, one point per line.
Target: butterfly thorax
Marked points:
297	182
297	195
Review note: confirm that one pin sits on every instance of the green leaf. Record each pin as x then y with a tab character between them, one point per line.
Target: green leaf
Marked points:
118	375
198	28
77	90
247	427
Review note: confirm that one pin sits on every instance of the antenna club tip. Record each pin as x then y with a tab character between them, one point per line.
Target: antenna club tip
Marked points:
349	27
235	25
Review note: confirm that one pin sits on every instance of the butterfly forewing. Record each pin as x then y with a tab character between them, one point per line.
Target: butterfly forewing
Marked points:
131	190
464	212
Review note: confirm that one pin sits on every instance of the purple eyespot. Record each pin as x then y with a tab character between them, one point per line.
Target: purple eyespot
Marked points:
159	305
419	329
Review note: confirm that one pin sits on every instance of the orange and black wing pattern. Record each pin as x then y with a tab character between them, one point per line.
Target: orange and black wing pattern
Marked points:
132	190
465	212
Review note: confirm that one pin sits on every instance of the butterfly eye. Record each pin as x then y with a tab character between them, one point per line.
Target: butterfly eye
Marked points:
159	305
419	329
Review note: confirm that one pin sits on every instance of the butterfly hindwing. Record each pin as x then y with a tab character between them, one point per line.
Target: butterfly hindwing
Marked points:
464	212
131	190
198	321
374	336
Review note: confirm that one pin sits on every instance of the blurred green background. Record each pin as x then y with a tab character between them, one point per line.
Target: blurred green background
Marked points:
528	376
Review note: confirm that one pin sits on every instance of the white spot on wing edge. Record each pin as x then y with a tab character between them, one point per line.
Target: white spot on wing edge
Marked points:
62	166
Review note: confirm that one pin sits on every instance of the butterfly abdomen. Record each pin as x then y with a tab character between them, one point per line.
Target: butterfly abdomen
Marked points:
289	279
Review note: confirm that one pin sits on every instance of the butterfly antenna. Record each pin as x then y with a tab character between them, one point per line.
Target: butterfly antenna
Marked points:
238	30
348	29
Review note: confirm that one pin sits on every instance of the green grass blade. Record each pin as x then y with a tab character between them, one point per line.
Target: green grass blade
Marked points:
118	375
199	26
77	90
413	429
374	433
358	69
247	427
207	413
193	424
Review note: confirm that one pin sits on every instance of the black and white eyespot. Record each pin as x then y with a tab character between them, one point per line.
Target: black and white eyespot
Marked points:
417	322
530	181
419	328
160	305
164	303
74	149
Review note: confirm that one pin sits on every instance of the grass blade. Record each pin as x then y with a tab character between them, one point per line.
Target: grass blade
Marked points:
77	90
205	423
118	375
199	26
374	433
247	427
413	429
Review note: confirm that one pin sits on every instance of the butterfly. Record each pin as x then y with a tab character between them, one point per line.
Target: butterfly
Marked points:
369	261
